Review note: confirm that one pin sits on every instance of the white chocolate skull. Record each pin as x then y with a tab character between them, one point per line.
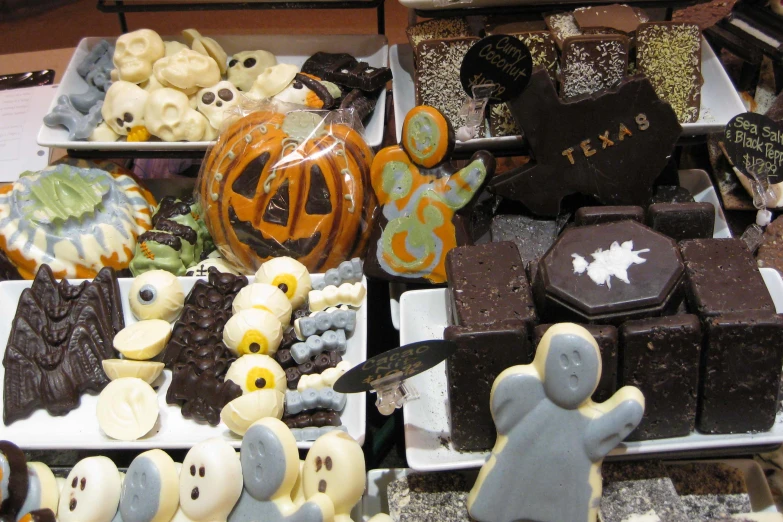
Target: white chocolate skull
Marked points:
135	53
103	133
124	107
174	47
169	117
244	67
206	46
213	102
272	81
187	69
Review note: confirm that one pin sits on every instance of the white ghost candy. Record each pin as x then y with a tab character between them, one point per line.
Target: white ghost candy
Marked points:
272	81
174	47
103	133
169	117
91	492
124	107
289	275
206	46
150	491
244	67
187	69
214	102
264	297
134	54
210	482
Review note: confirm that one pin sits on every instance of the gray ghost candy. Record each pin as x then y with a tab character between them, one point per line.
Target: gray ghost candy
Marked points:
80	126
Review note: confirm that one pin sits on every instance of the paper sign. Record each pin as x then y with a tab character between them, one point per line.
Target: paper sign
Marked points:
21	115
500	59
755	144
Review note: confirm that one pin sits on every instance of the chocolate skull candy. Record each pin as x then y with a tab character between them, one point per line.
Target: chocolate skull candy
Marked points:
213	102
124	106
135	53
244	67
168	116
187	69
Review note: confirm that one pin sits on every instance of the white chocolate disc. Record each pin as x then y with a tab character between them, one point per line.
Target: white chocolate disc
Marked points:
91	492
257	372
253	331
210	482
147	371
156	294
264	297
243	411
127	409
143	340
289	275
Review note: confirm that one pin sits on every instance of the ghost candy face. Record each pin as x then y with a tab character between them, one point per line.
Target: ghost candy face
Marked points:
244	67
214	102
135	53
335	466
123	108
150	492
91	492
571	373
210	482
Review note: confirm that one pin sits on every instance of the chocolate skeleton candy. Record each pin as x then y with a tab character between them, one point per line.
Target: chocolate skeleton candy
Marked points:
313	398
270	464
150	491
335	466
91	493
552	437
14	480
257	372
243	411
80	126
244	67
332	340
147	371
289	275
264	297
321	322
346	272
253	331
143	340
127	409
156	294
345	294
135	52
42	489
210	481
315	419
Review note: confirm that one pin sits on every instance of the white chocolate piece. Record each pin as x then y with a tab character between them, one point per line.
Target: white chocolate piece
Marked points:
135	52
243	411
245	67
299	94
61	481
314	381
150	491
208	47
43	492
297	494
264	297
272	81
127	409
103	133
156	294
217	101
346	293
115	75
253	331
143	340
124	107
187	69
168	116
173	47
257	372
147	371
335	466
289	275
381	517
91	492
210	481
325	379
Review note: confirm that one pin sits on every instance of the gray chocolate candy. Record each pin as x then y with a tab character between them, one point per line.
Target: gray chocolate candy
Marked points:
311	399
80	126
321	322
140	499
346	272
85	101
330	341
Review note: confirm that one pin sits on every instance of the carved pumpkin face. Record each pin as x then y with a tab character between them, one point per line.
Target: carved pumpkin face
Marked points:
288	185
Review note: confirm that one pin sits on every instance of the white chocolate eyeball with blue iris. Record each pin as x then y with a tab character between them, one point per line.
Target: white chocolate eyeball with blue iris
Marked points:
210	481
289	275
150	491
156	294
257	372
253	331
264	297
91	493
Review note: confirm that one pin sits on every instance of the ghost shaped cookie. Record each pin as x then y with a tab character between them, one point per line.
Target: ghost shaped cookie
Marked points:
425	201
335	466
244	67
150	491
91	493
210	481
135	52
270	464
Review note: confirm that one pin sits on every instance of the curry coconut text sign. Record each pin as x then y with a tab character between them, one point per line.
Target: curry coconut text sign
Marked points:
499	59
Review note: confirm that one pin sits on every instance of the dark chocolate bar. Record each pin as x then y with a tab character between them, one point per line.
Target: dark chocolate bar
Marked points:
532	236
671	194
591	63
344	69
317	418
682	220
607	214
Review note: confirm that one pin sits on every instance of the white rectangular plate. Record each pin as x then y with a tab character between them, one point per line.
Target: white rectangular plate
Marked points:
293	49
428	445
79	428
719	100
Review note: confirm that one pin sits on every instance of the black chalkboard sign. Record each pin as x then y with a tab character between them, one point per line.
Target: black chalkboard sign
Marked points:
755	144
410	360
499	59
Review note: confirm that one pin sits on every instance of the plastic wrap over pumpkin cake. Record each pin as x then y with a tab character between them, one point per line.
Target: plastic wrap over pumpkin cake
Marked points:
290	183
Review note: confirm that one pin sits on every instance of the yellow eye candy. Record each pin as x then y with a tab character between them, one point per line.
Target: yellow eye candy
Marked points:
259	379
286	283
253	342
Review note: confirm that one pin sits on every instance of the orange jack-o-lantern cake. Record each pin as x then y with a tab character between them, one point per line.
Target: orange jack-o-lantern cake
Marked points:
288	185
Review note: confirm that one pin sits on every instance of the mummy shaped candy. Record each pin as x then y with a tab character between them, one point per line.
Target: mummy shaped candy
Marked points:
156	294
289	275
127	409
150	491
14	480
91	493
147	371
214	102
187	69
243	411
270	465
143	340
244	67
257	372
42	489
552	437
168	116
346	293
335	466
272	81
210	481
206	46
320	322
135	52
123	107
253	331
264	297
346	272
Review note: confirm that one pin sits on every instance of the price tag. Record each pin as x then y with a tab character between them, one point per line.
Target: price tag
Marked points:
755	146
500	59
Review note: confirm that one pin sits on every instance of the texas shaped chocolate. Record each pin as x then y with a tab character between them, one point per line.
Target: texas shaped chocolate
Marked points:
611	145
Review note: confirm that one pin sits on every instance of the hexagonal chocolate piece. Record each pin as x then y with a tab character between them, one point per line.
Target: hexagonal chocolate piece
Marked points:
609	273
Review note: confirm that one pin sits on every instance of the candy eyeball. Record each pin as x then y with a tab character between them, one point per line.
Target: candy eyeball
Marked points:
257	372
156	294
264	297
253	331
289	275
